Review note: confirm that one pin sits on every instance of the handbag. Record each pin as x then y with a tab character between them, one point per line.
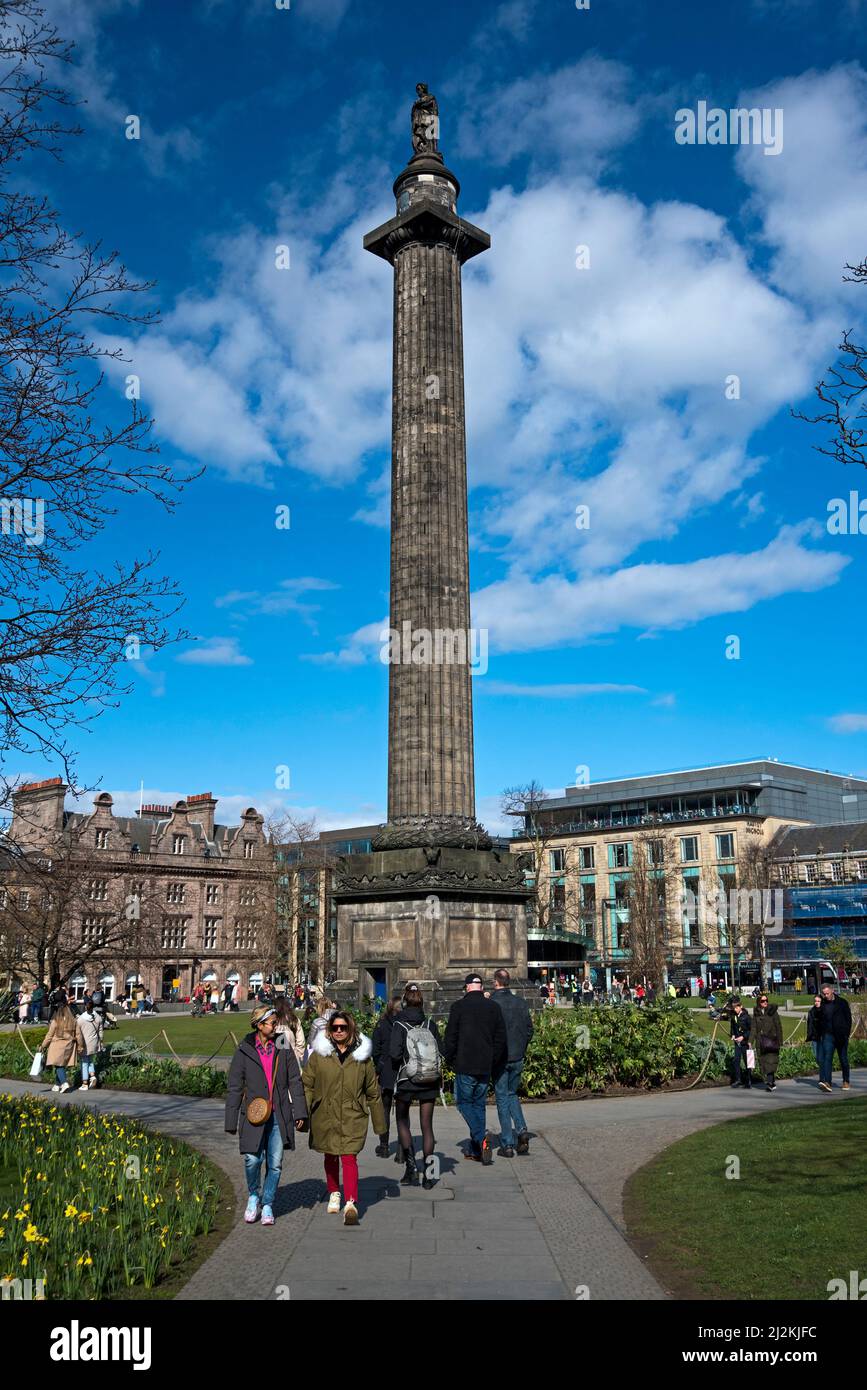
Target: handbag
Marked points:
37	1064
259	1110
767	1044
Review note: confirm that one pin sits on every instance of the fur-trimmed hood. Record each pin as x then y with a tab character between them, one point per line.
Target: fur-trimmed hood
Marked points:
323	1045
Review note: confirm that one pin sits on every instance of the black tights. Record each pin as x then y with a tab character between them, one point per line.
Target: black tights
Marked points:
404	1133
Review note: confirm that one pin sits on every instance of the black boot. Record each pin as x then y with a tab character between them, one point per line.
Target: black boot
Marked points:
400	1153
382	1149
410	1176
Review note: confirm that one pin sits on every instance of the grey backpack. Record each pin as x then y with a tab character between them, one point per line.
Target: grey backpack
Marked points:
423	1063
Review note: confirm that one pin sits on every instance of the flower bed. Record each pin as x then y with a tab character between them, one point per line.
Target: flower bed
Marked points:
99	1203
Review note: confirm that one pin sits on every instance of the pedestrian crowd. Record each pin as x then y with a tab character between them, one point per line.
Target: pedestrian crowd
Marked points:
758	1039
339	1082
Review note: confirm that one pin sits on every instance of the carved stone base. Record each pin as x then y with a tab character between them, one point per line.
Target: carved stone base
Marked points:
432	940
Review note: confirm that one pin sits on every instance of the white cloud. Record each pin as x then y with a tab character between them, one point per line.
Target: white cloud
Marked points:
216	651
848	723
559	692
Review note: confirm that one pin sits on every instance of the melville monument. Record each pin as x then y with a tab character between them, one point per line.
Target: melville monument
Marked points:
434	898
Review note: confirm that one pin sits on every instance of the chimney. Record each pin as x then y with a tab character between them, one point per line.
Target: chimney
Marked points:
37	813
202	807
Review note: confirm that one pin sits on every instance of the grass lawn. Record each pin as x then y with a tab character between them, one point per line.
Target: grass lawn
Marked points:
793	1220
189	1036
702	1024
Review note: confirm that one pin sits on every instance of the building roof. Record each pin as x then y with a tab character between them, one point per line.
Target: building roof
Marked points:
834	839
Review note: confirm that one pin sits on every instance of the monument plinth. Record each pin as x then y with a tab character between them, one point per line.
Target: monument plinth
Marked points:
434	898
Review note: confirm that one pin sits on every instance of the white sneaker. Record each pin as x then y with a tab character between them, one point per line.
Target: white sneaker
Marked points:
55	1088
83	1086
334	1204
350	1214
64	1087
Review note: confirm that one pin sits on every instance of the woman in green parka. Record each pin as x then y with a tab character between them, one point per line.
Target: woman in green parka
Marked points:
767	1040
342	1092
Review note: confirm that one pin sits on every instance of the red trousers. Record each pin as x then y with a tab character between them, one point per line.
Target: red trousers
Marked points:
350	1175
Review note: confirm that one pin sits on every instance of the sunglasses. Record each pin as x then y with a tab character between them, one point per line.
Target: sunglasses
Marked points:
340	1028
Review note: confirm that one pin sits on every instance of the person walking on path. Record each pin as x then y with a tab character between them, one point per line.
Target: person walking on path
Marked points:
767	1036
475	1046
587	992
814	1025
740	1034
324	1009
519	1031
342	1090
288	1031
265	1104
835	1025
385	1067
88	1037
414	1051
60	1047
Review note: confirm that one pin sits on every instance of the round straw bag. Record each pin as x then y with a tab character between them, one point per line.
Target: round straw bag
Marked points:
259	1110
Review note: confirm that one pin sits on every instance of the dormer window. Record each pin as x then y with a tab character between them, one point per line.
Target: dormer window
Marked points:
249	847
178	844
102	839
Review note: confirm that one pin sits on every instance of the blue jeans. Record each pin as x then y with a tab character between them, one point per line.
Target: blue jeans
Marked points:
508	1106
271	1149
88	1068
471	1092
826	1058
60	1076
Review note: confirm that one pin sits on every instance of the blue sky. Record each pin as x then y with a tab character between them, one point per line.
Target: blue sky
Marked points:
602	386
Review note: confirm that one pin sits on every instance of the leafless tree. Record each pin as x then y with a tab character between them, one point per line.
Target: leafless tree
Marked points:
60	911
843	395
69	448
652	898
296	886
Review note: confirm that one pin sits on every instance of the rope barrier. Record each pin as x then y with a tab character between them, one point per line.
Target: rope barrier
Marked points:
707	1058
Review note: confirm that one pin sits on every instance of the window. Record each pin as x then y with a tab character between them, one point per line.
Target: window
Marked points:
249	848
212	893
587	857
656	851
558	897
102	839
620	856
93	930
174	934
688	849
811	873
97	890
137	889
24	899
557	860
862	868
837	870
175	892
245	936
247	897
212	925
179	844
725	846
587	894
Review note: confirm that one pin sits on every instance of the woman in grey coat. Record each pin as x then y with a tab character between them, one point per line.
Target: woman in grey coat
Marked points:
260	1070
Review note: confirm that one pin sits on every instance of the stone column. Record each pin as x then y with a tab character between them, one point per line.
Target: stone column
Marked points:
430	753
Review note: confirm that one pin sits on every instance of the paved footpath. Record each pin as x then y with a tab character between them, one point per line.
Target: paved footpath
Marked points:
539	1228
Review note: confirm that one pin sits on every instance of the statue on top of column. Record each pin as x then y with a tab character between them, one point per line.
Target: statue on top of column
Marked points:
425	121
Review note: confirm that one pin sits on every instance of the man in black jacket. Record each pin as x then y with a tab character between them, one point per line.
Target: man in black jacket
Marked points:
835	1025
475	1045
519	1031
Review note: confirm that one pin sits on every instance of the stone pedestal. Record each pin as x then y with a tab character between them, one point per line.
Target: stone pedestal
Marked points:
429	914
